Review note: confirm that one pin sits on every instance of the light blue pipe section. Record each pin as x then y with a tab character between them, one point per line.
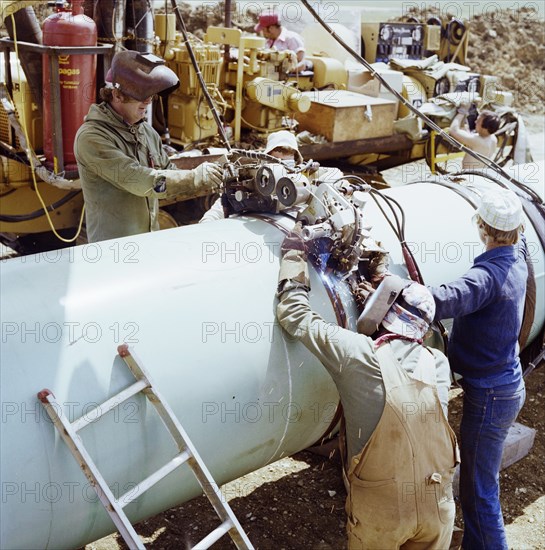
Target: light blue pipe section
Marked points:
197	306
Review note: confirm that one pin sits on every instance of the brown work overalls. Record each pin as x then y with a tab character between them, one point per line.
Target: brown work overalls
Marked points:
400	485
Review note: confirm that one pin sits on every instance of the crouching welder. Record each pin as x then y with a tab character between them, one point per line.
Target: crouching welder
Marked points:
401	451
123	167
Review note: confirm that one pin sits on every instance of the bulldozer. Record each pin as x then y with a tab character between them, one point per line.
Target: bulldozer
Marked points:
234	91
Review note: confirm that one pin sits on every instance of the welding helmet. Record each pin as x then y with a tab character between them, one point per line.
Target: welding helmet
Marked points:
378	303
401	306
141	75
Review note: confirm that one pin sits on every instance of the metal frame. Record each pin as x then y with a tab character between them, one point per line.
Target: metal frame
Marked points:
54	52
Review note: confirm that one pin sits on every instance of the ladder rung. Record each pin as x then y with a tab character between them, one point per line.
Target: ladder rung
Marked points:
107	406
114	507
214	536
143	486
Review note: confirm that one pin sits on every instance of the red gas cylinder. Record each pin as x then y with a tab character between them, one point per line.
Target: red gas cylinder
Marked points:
77	77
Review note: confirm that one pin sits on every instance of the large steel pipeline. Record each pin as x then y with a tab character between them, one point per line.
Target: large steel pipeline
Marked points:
197	305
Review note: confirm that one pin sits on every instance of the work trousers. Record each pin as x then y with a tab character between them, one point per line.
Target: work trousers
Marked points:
487	415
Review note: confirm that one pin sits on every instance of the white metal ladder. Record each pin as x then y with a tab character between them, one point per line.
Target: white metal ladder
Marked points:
187	453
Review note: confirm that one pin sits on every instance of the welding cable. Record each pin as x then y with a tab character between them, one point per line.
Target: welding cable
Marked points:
399	228
534	197
202	83
412	267
410	261
11	153
254	155
455	143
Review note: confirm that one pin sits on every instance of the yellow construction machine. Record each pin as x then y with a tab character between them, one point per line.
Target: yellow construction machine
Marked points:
234	91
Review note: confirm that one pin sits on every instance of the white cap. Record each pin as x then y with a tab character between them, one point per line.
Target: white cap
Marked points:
283	138
501	209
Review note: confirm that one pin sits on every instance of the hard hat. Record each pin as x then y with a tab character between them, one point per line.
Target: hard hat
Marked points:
141	75
411	313
283	138
501	209
265	21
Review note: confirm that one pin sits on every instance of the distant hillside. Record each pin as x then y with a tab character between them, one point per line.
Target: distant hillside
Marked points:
513	48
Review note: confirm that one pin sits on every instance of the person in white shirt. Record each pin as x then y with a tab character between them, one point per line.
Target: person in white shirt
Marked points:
482	140
281	39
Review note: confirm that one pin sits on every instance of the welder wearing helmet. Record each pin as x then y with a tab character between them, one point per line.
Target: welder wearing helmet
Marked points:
123	167
400	450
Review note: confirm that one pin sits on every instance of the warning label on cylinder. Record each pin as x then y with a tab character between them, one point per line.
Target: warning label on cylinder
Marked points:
68	72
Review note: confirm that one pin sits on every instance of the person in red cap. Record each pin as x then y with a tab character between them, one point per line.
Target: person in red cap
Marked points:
282	39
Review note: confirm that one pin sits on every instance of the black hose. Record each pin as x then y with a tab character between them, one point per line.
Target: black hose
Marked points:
534	197
195	64
37	213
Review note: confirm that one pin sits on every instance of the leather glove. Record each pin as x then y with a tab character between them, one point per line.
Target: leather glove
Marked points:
294	240
293	265
208	174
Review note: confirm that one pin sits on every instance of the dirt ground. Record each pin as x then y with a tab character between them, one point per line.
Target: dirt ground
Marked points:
298	502
506	40
518	58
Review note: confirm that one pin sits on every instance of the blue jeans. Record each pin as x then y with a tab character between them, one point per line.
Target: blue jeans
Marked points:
487	415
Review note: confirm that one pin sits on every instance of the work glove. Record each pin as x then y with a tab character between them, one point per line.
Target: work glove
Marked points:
207	177
294	240
362	291
293	266
208	174
463	108
289	64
